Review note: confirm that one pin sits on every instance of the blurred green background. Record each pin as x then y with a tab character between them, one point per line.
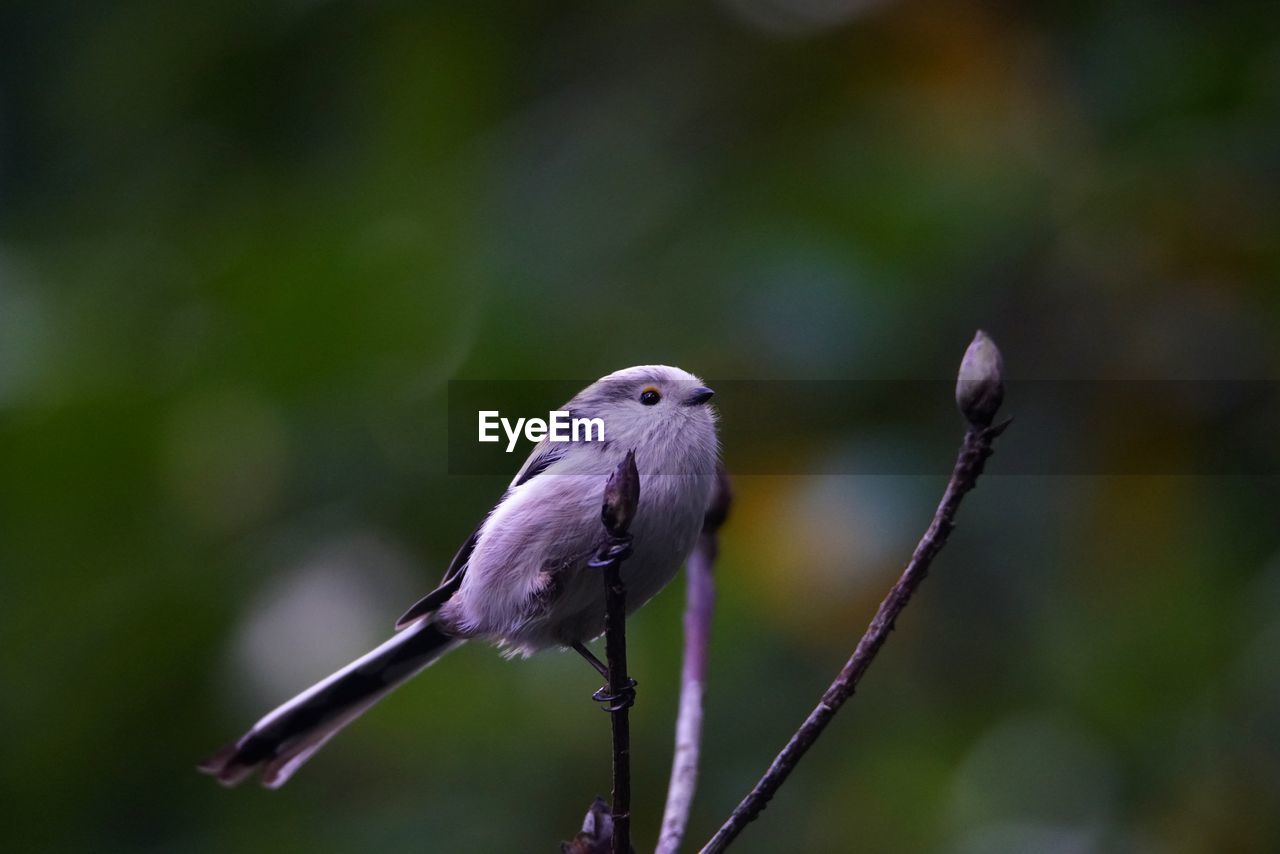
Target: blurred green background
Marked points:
244	247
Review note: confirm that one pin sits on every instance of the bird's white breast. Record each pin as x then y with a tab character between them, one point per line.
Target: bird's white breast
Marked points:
527	584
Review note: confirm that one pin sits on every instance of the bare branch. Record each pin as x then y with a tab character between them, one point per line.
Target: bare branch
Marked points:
621	497
979	392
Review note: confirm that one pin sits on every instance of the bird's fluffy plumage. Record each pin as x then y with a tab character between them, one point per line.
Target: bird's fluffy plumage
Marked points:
521	580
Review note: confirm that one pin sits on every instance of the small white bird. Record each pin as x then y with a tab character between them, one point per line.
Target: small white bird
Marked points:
521	579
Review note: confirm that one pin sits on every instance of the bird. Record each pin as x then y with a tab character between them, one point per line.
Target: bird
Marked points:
521	580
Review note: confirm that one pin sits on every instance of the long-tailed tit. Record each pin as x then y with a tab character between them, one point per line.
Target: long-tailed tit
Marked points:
521	579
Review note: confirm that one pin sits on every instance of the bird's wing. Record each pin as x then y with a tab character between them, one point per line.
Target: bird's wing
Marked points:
448	585
543	456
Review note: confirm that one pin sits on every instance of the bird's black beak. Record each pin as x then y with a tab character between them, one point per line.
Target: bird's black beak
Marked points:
698	396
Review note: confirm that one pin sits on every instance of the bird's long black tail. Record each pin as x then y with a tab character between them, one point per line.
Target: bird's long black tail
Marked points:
288	736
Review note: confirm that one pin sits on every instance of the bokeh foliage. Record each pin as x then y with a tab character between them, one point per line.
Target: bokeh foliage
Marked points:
244	246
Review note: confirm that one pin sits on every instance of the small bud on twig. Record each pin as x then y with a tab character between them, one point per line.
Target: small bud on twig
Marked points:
978	392
621	495
980	385
596	836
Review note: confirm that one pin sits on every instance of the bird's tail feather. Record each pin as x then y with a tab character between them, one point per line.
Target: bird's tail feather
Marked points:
288	736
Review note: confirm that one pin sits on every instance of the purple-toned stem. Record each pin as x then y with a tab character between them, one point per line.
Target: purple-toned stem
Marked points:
700	600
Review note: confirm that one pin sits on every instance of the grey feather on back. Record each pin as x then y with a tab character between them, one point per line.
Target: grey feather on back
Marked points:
543	457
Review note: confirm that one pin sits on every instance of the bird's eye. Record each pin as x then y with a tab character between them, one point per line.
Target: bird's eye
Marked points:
650	396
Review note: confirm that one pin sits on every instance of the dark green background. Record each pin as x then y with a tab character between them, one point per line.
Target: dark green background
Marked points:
245	245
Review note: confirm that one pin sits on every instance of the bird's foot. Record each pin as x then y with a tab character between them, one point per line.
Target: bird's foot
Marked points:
624	699
615	548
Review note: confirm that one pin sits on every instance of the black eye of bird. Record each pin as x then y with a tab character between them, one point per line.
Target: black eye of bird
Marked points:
650	396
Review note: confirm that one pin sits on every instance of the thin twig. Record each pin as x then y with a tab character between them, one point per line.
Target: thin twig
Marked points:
979	392
699	607
621	496
616	648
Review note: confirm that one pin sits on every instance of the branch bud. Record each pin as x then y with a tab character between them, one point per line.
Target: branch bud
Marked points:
596	836
621	495
980	385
